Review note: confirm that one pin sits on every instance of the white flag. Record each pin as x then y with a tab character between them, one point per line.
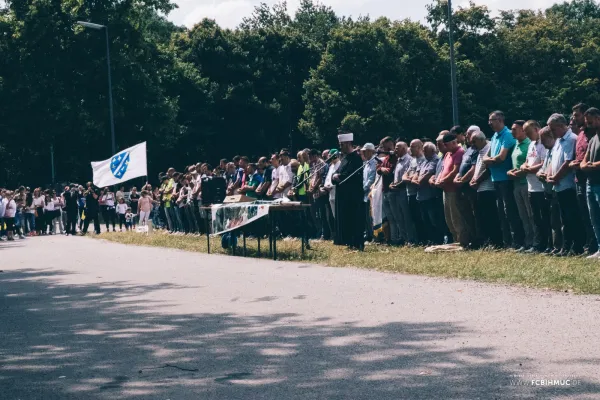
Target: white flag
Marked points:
123	166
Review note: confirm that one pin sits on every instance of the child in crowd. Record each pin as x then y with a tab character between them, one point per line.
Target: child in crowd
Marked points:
121	211
128	219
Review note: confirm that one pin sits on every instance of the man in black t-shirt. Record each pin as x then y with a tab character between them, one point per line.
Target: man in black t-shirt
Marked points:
70	197
91	209
134	197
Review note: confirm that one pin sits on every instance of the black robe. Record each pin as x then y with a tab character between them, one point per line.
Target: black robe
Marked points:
349	203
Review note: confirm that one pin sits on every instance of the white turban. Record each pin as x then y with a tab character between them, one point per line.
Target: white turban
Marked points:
346	137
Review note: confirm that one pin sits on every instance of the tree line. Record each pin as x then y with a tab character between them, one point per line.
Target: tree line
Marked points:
277	80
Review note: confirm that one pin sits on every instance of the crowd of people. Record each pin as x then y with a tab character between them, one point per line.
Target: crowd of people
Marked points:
529	188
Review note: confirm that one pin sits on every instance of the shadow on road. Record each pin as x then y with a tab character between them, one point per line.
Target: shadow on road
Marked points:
99	341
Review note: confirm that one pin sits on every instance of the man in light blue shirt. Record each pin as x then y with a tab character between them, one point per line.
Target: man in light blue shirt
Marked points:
499	162
563	179
369	175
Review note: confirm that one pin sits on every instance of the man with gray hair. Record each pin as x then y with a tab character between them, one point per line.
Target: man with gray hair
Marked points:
417	159
563	180
401	224
487	222
467	195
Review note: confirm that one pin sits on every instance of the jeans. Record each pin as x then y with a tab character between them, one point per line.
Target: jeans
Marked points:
170	219
573	233
29	222
432	215
593	200
179	218
512	228
487	220
525	213
540	208
591	242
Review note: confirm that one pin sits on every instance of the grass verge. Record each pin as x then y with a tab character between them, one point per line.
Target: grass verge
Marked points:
565	274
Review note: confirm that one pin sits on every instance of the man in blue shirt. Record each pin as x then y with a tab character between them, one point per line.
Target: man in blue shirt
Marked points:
563	179
499	163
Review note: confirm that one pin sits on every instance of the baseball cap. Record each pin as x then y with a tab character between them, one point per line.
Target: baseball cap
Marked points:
369	146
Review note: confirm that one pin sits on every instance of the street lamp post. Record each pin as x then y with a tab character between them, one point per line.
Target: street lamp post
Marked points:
452	67
110	100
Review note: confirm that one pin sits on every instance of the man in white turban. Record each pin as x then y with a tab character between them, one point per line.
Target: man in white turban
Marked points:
349	203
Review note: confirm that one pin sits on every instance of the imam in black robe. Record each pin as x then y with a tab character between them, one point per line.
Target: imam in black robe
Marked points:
349	204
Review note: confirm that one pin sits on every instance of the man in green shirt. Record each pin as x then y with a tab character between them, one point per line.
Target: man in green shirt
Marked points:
254	180
519	177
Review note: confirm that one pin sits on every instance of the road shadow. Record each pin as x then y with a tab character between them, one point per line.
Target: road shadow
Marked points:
100	341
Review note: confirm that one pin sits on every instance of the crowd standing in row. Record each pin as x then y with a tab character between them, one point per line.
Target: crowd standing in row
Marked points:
531	189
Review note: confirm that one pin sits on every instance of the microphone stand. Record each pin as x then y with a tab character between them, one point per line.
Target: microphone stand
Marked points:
358	169
313	173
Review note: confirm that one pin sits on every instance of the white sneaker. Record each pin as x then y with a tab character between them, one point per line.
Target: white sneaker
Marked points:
595	255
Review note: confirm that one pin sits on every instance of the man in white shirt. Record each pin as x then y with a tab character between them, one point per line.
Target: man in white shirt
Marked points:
536	154
272	192
284	174
329	186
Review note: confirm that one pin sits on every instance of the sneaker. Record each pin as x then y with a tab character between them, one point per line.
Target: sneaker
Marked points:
531	250
21	237
3	238
595	255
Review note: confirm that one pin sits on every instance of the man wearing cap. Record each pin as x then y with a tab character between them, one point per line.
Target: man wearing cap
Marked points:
369	175
452	211
349	197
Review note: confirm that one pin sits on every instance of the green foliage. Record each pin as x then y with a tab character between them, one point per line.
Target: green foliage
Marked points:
276	81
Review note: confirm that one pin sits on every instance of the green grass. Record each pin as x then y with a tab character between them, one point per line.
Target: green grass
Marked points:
565	274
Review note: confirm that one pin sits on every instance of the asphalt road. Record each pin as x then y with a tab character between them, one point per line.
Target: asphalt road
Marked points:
87	319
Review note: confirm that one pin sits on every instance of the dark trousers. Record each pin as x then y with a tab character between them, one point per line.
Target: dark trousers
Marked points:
121	221
467	204
573	231
590	243
319	217
512	227
40	221
488	222
71	222
433	221
91	217
109	217
368	221
555	220
414	208
540	207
